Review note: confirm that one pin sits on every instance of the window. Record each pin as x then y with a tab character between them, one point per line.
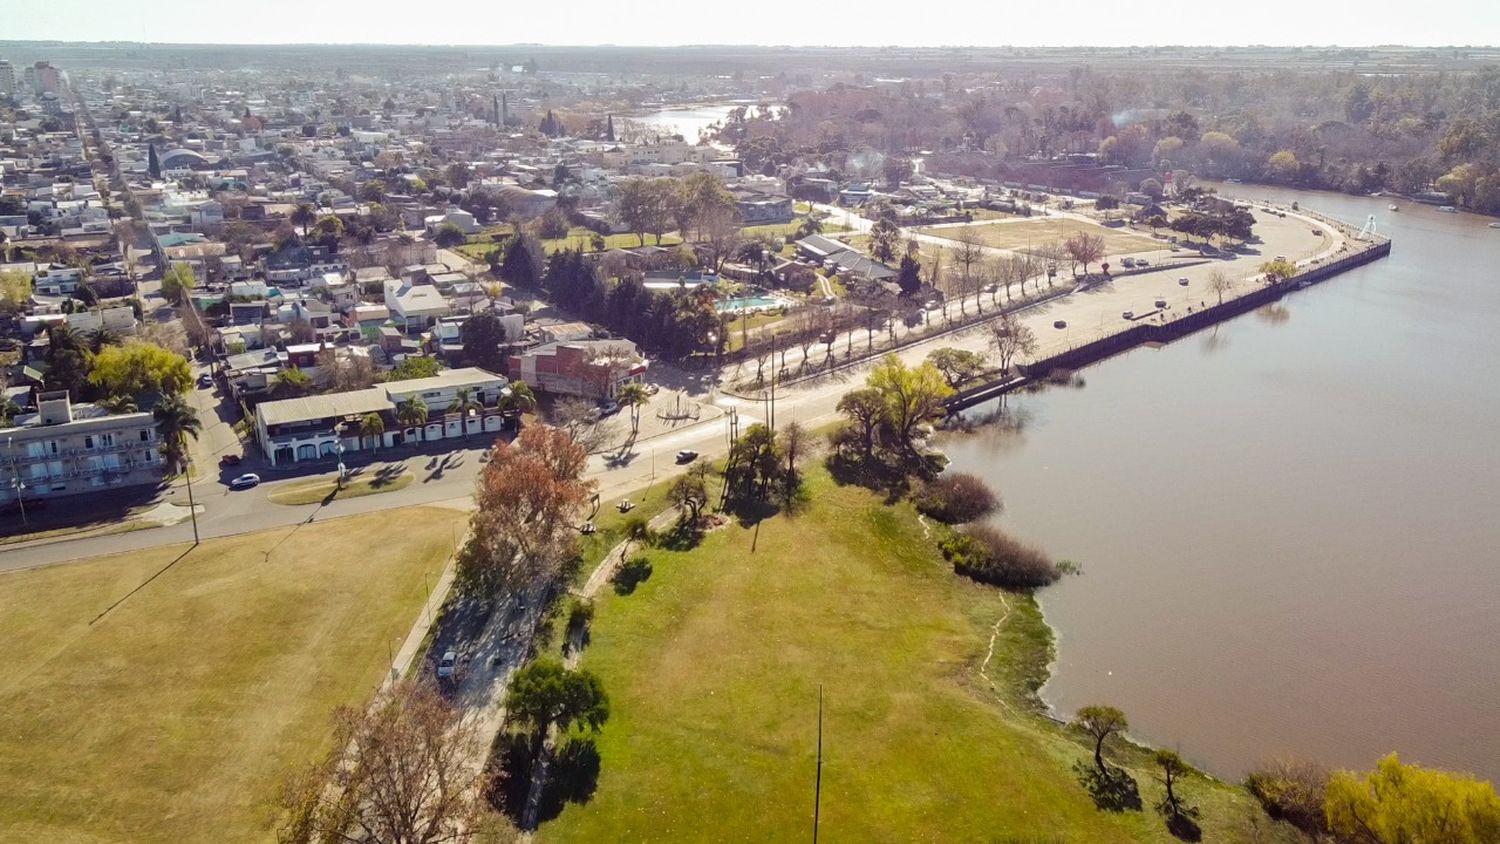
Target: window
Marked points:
145	435
107	440
88	442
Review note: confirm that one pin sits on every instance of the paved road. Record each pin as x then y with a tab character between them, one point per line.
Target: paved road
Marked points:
448	476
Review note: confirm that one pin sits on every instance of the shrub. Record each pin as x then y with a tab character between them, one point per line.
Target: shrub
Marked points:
989	556
1292	790
956	498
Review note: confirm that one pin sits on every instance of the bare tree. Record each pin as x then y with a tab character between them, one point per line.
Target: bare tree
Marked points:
968	255
1219	282
1010	339
1084	248
400	775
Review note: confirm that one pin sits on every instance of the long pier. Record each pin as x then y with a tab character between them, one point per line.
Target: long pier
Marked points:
1141	333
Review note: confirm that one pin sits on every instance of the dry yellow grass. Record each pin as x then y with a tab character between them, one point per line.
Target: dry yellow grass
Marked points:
1035	232
176	716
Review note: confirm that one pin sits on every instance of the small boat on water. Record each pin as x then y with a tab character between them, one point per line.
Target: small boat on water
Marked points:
1448	209
1394	207
1495	225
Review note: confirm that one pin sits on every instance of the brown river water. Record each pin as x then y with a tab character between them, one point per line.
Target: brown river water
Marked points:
1289	526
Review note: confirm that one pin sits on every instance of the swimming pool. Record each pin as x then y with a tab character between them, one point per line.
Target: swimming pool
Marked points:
750	303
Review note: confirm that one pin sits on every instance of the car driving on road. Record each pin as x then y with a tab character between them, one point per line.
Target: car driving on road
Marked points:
245	481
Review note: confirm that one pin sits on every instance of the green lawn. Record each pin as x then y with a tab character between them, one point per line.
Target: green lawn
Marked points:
583	238
713	667
360	482
1034	232
177	715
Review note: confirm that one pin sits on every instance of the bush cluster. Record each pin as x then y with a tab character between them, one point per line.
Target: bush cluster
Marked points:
989	556
1293	791
957	498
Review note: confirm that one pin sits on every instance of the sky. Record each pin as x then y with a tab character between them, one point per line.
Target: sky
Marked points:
1105	23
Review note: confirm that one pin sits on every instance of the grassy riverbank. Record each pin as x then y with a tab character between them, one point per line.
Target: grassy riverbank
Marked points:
713	667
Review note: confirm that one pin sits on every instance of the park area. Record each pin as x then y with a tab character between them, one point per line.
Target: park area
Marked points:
1031	233
713	666
165	694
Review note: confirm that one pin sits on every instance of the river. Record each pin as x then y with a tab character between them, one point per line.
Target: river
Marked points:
686	121
1289	526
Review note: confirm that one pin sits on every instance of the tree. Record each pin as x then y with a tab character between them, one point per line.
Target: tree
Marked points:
457	175
1085	248
15	290
1151	188
399	773
301	331
633	395
866	408
517	398
483	335
1100	722
1278	269
913	396
544	694
1167	150
690	492
794	443
177	282
885	235
176	420
1402	804
303	216
449	235
1010	338
528	495
552	224
1173	769
292	383
1219	282
522	265
414	366
909	276
463	403
412	412
1107	202
754	464
957	365
371	427
968	255
897	169
138	368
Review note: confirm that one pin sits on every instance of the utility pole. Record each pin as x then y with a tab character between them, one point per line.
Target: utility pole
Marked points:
773	384
818	782
192	508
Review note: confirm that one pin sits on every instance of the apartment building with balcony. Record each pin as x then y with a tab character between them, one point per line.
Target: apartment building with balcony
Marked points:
75	449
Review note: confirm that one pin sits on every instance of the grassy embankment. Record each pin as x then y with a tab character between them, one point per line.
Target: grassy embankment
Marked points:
713	667
176	715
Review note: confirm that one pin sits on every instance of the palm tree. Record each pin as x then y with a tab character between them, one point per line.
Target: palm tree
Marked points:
101	337
518	398
372	425
463	402
176	420
412	412
118	404
633	395
303	215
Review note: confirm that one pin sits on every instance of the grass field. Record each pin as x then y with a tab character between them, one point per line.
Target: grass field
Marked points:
359	483
176	715
1037	231
713	666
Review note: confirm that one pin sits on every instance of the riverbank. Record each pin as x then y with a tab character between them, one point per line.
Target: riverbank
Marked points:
931	727
1248	559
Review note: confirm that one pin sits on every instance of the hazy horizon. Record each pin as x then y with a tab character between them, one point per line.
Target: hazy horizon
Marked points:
586	23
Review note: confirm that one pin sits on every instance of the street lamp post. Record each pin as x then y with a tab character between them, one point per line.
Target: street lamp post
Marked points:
338	447
15	480
192	507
